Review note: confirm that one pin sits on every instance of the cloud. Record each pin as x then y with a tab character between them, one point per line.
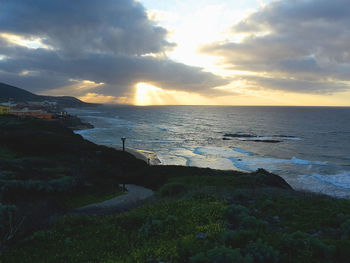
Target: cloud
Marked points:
75	27
110	42
300	41
295	85
119	73
99	98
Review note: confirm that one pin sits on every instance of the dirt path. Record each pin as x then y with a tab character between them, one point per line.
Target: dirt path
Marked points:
135	197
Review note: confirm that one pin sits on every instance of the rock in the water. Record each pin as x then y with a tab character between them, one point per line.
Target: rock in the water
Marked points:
267	141
239	135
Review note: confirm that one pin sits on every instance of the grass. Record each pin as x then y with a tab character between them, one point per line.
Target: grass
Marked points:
7	153
72	202
201	216
164	231
208	221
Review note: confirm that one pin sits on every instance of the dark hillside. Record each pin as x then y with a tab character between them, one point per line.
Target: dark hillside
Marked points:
8	92
43	163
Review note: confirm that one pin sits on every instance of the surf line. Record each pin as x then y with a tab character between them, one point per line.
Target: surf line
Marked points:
149	157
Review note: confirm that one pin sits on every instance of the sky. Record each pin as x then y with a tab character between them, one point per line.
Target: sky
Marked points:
177	52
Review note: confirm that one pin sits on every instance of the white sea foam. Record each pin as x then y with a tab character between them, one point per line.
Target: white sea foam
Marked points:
213	163
337	185
307	162
243	151
167	159
218	152
240	165
340	180
198	139
272	138
89	131
106	119
240	159
254	163
290	138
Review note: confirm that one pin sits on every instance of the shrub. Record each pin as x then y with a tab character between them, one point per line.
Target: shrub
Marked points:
7	153
320	249
345	228
304	247
63	184
342	252
221	255
10	223
203	195
296	241
251	222
234	213
261	252
172	189
199	258
267	203
41	236
151	227
74	221
237	239
14	190
240	194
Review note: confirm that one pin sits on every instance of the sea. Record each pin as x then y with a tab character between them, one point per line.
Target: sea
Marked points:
308	146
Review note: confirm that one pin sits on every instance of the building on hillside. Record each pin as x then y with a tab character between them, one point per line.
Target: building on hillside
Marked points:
10	104
4	110
32	113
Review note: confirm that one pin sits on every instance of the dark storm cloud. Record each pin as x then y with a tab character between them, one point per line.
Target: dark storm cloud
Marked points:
302	40
74	27
119	73
101	41
295	85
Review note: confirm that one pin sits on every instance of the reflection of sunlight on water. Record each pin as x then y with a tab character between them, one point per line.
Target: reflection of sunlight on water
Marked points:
194	136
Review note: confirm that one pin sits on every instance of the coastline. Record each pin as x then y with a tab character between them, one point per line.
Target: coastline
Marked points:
308	175
141	154
149	157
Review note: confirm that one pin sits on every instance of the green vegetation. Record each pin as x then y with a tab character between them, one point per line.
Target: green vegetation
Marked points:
270	225
7	154
197	215
75	201
46	169
170	230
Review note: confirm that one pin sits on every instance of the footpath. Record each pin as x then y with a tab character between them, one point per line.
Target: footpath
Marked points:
135	196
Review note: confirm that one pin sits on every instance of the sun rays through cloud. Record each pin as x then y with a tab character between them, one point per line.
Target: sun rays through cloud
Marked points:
147	94
150	52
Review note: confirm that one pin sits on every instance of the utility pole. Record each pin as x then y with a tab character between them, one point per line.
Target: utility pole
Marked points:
123	140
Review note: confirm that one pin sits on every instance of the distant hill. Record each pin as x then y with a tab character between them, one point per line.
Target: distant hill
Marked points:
8	92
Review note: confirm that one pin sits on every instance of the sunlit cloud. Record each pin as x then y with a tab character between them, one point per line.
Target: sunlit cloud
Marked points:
258	52
162	16
77	88
291	46
201	27
147	94
109	42
28	42
29	73
100	98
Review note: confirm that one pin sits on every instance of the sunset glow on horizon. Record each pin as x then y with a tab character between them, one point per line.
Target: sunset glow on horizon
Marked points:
252	52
